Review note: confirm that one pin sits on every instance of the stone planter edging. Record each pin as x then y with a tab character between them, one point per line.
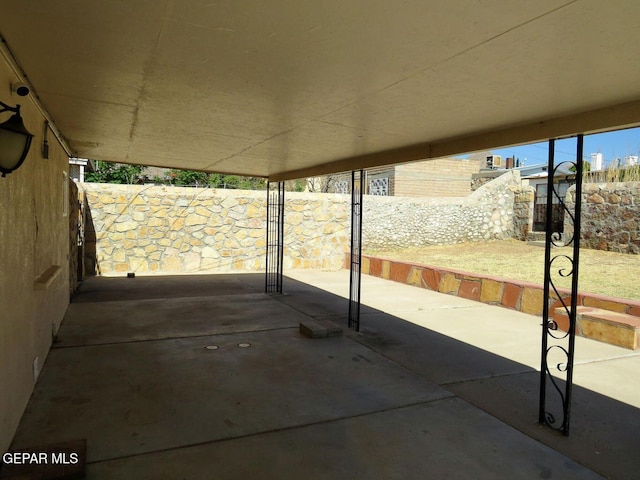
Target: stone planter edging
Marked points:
517	295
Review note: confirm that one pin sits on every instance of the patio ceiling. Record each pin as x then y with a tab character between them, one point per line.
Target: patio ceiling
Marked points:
290	88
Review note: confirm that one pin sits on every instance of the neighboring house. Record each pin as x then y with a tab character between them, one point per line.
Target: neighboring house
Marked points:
444	177
79	166
562	180
535	176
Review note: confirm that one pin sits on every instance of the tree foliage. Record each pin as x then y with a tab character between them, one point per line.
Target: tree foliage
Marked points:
108	172
188	178
217	180
586	167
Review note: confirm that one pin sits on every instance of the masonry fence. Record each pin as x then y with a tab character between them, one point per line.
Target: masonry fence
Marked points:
165	229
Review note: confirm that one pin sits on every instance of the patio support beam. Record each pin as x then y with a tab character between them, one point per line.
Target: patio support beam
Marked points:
625	115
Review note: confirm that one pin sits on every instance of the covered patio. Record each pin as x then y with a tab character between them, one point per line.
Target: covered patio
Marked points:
196	376
282	91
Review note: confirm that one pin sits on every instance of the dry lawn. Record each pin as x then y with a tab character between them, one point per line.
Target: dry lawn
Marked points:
605	273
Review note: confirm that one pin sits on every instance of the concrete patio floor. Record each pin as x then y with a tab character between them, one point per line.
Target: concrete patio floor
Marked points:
204	376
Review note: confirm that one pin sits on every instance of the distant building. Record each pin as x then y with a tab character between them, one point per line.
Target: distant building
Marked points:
597	163
562	179
631	160
443	177
79	166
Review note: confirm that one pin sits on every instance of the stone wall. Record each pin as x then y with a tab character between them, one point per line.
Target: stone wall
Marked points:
487	214
172	229
523	199
610	216
483	177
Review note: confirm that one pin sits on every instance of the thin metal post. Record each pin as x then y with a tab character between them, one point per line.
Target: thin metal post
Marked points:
275	238
356	249
267	257
556	343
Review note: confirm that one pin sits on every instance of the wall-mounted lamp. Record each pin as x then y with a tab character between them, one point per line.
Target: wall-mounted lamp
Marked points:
15	140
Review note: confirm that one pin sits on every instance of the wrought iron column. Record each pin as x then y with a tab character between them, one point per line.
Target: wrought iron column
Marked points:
275	238
556	371
356	248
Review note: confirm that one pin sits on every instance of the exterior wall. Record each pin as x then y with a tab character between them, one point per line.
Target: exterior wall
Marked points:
483	177
524	197
76	273
158	229
487	214
444	177
610	216
171	229
35	240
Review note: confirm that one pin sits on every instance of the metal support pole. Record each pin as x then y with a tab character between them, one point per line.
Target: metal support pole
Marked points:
558	345
356	248
275	238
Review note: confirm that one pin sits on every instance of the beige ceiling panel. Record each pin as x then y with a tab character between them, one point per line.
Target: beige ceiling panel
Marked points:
283	87
240	165
566	57
100	130
94	50
184	148
322	142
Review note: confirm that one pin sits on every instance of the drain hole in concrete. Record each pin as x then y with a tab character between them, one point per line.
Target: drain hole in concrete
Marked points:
211	347
244	345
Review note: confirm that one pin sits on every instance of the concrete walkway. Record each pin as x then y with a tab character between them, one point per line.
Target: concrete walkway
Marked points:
204	376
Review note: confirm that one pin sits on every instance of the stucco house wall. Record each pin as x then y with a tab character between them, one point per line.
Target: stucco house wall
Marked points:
34	274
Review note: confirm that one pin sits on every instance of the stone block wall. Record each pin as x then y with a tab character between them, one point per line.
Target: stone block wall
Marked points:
483	177
523	199
487	214
610	216
172	229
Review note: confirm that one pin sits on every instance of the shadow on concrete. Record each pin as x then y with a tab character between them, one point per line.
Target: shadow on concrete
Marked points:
111	289
202	376
604	432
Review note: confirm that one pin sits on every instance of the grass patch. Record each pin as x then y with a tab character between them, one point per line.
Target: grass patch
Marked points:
604	273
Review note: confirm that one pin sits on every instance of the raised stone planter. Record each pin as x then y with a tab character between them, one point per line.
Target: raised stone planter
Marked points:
521	296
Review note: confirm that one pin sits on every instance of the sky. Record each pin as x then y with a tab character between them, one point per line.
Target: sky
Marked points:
612	145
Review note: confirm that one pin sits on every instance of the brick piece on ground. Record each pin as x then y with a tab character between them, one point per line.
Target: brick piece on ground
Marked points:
320	329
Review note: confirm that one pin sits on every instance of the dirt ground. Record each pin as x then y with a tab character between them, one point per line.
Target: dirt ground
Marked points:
606	273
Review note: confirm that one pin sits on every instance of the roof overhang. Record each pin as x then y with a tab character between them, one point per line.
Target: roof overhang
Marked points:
288	89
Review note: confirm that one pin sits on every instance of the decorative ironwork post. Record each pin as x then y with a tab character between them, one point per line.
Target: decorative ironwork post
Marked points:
356	248
275	238
558	345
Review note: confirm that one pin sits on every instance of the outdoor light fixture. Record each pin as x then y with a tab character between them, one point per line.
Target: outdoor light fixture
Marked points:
15	140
